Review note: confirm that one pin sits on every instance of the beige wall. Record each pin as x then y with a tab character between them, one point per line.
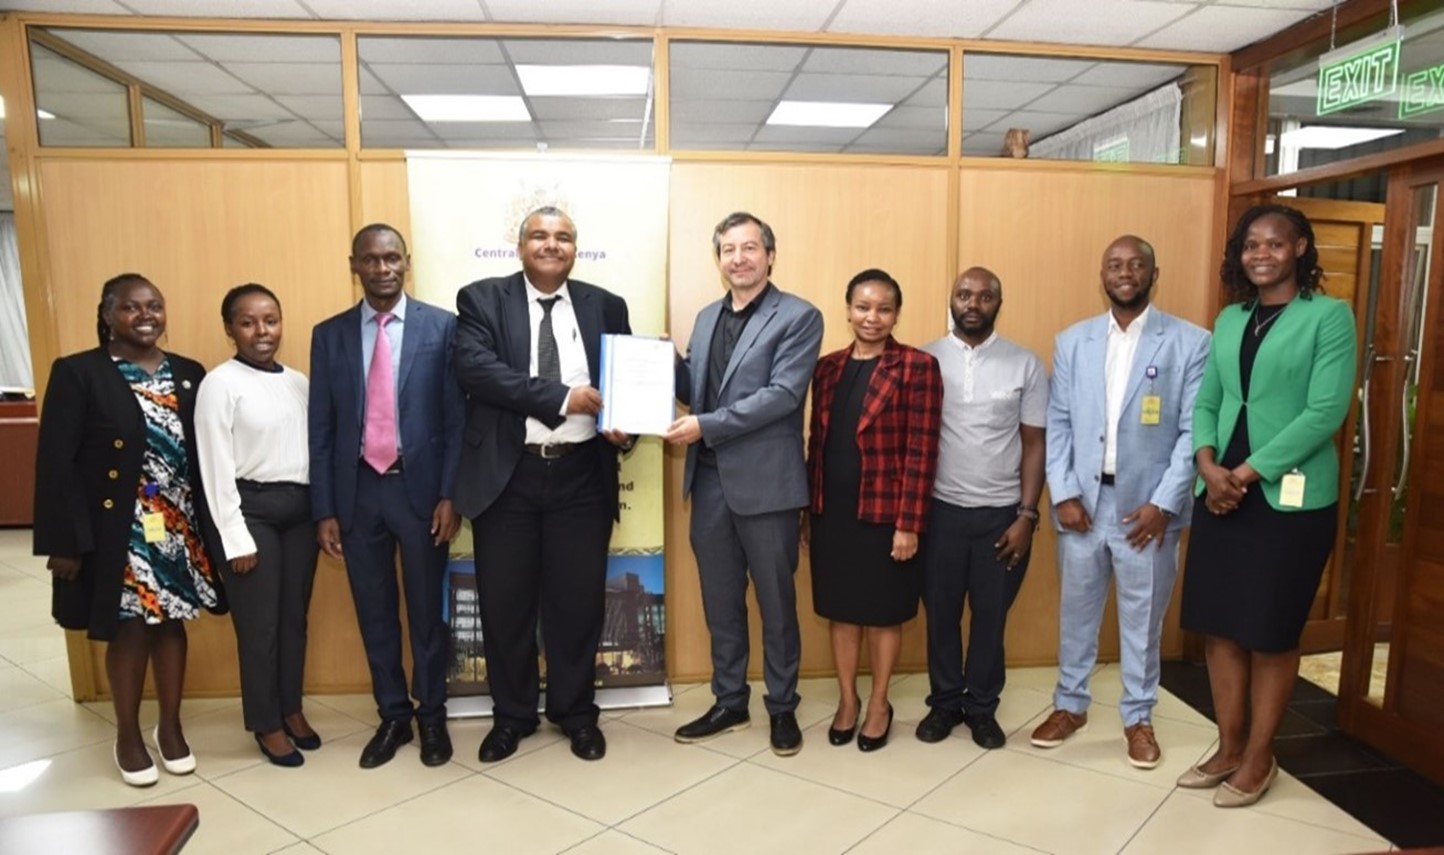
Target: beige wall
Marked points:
197	226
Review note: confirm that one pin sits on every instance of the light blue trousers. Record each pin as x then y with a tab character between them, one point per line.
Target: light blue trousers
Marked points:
1143	582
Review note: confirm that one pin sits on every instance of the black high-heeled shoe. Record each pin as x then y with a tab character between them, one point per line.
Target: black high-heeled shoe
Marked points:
305	743
290	760
837	736
873	743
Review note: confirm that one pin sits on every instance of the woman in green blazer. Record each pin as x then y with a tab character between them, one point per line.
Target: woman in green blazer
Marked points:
1277	386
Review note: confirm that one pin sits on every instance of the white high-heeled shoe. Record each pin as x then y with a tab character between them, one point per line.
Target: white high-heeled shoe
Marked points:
144	778
179	766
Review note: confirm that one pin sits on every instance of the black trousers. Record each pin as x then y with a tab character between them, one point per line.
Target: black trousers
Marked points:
959	565
269	604
383	522
541	552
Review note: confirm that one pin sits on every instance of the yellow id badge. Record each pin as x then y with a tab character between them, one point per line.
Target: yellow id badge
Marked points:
154	525
1291	491
1152	410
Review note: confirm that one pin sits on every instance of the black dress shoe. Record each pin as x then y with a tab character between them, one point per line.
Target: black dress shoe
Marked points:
390	736
842	736
786	736
292	759
938	724
588	742
435	743
305	743
986	732
715	722
873	743
501	743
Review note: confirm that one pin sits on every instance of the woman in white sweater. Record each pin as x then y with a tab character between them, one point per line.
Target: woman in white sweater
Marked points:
251	433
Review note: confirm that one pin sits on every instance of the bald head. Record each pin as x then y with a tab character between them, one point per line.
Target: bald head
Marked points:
1133	242
1128	273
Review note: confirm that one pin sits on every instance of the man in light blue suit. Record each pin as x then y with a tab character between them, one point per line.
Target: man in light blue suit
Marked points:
1120	470
745	377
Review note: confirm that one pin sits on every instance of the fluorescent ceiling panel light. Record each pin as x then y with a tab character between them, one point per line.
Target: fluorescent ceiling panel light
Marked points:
1331	137
827	114
38	113
468	108
584	80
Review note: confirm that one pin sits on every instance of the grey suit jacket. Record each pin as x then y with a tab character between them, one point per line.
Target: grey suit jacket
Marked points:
1155	462
756	427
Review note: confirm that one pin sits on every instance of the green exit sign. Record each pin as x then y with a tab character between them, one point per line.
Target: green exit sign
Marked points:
1354	76
1423	92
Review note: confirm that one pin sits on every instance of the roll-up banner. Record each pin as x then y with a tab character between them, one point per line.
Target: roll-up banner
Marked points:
466	210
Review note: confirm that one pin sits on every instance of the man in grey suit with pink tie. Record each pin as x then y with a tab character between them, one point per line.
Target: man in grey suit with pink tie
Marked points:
745	378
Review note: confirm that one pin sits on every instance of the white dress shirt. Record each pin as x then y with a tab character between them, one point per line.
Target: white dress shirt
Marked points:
572	357
1122	346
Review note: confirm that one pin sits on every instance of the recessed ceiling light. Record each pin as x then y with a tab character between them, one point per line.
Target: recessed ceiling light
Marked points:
1332	136
42	114
468	108
584	80
827	114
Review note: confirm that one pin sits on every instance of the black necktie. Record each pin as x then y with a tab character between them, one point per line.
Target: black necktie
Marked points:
548	363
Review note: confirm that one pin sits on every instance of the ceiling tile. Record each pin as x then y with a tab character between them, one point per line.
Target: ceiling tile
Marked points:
313	107
821	136
63	132
936	18
384	108
54	74
899	141
583	109
1314	5
1139	75
802	145
1098	22
592	130
688	135
975	119
1223	28
933	94
856	88
117	46
728	85
579	52
370	84
808	15
82	106
639	12
454	131
731	56
390	10
265	48
1088	100
998	94
384	133
917	118
864	61
711	111
448	79
185	78
240	110
290	78
983	145
1038	124
429	51
77	7
1037	69
217	8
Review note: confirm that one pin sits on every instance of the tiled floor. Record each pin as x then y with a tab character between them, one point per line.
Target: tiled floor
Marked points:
650	794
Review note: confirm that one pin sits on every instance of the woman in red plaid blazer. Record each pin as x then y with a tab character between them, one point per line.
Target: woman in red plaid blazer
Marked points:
872	454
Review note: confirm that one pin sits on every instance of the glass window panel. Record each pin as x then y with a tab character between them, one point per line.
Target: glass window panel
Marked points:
1300	137
77	106
1061	108
167	128
284	90
726	97
563	94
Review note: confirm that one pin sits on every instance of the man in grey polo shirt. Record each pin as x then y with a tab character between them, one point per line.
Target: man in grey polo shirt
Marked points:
985	507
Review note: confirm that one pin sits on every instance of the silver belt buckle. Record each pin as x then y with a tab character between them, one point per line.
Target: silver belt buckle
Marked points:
546	453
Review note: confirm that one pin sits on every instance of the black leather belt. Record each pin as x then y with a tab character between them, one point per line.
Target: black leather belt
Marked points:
1107	479
553	450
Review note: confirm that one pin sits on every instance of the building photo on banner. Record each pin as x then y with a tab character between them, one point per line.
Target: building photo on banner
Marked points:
466	211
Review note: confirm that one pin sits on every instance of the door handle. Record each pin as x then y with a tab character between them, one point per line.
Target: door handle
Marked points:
1365	433
1405	428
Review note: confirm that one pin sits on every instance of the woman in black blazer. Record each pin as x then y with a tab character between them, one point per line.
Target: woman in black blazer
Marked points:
120	513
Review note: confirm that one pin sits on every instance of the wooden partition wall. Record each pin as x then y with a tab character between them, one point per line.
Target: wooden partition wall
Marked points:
197	226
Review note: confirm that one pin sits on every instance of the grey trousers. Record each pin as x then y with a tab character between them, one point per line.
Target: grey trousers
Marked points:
728	546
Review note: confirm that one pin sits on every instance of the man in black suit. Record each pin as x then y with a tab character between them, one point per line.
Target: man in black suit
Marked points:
538	484
385	431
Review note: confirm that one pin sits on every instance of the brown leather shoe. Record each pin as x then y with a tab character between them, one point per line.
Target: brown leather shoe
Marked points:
1143	750
1059	726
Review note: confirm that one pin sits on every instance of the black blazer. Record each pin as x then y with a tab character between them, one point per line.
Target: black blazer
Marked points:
493	364
92	444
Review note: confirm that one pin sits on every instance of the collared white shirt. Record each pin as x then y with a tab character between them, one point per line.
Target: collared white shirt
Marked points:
572	357
1122	347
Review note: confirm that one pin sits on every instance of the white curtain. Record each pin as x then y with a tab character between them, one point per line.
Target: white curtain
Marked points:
15	368
1144	130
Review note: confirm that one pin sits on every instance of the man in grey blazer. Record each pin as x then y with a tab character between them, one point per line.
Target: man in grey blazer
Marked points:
745	378
1120	468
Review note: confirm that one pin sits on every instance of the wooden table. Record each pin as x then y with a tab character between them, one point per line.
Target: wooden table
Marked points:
148	830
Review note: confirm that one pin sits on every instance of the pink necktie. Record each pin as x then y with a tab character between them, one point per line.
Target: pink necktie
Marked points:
379	439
